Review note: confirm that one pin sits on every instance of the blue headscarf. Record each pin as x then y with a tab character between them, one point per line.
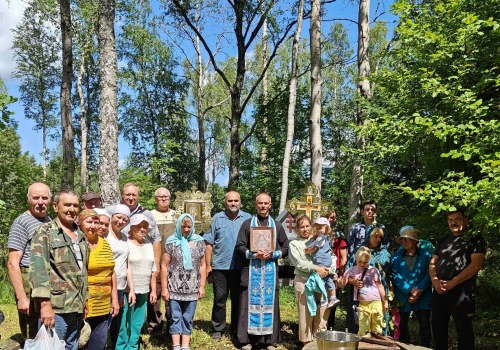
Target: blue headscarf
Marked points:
178	239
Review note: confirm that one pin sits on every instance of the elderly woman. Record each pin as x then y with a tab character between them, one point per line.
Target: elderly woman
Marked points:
118	242
304	267
142	262
183	279
103	296
104	219
380	259
412	285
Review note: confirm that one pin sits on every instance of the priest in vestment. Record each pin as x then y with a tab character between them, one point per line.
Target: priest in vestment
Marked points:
259	314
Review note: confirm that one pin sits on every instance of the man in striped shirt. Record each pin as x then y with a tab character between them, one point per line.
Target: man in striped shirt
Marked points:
19	243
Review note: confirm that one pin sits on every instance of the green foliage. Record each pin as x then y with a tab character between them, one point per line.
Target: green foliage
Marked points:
18	171
152	119
434	126
36	50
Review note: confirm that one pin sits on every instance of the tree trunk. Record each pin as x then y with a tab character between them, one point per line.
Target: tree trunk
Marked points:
44	151
292	101
108	113
200	114
364	91
235	90
68	174
263	153
83	126
315	116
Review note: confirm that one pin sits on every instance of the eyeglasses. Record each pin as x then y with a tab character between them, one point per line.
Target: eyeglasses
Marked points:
163	197
456	220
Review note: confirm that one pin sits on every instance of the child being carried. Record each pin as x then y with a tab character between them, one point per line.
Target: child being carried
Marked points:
319	246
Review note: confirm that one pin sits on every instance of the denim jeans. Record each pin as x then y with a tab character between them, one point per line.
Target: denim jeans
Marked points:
182	316
99	334
67	327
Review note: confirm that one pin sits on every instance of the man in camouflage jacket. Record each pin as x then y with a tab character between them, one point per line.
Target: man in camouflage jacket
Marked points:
58	270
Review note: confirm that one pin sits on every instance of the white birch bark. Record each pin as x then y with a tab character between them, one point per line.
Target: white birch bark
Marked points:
263	153
108	112
364	91
316	81
83	126
292	101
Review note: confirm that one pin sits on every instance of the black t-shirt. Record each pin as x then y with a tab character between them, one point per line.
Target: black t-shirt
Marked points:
455	255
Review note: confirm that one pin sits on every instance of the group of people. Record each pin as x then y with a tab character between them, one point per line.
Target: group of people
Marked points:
109	268
423	279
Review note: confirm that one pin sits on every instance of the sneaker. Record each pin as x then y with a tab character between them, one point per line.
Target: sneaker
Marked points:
247	347
216	335
333	302
271	347
322	303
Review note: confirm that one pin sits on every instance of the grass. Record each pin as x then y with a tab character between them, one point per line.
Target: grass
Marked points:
486	326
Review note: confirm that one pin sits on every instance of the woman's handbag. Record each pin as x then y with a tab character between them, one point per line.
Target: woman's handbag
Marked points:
45	340
356	302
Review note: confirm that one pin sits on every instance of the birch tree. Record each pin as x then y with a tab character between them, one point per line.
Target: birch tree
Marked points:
68	175
36	49
247	19
364	93
315	116
108	111
292	101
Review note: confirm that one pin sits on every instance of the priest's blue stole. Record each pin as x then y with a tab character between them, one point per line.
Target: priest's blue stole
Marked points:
261	291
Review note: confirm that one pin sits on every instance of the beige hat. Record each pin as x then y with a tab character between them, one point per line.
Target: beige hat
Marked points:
84	334
408	233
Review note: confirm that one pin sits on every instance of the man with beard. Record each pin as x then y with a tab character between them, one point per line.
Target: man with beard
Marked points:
226	265
19	243
58	270
453	271
259	315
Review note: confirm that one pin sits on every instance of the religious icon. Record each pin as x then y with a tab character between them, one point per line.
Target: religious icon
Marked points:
261	238
194	209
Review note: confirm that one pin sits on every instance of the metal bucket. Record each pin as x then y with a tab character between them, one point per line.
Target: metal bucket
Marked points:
328	340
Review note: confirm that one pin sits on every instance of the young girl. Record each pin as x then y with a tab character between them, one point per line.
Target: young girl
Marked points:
183	279
319	247
369	291
142	263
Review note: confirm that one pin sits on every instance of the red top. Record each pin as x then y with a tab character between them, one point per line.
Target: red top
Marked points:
338	245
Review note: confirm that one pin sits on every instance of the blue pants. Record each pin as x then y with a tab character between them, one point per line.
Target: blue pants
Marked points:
182	316
99	334
67	327
131	323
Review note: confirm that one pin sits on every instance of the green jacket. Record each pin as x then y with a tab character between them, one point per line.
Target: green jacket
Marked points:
54	272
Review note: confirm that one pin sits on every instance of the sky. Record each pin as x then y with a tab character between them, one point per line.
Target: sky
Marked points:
31	141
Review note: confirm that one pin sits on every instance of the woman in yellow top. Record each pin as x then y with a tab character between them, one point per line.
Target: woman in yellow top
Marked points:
103	297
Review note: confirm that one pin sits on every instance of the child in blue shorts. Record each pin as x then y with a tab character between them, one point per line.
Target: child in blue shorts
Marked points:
319	246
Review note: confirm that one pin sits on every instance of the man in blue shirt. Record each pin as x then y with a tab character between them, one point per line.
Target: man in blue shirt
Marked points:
368	210
226	266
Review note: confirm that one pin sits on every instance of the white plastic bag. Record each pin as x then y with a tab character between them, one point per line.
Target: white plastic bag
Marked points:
45	340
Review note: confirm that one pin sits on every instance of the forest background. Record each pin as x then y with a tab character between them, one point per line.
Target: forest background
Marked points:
414	126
